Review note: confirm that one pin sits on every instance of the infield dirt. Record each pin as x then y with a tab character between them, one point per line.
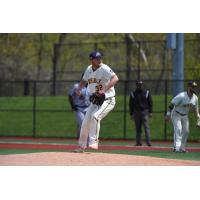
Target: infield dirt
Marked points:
88	159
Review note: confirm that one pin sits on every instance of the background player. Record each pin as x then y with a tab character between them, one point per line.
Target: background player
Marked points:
141	108
79	103
101	80
178	111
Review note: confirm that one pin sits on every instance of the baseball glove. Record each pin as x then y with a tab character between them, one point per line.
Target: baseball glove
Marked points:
198	123
97	98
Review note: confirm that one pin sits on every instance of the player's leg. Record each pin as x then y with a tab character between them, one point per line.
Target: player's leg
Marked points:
79	119
176	120
97	116
185	132
138	127
145	118
83	139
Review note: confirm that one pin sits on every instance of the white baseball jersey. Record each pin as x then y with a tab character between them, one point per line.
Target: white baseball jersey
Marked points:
183	103
98	79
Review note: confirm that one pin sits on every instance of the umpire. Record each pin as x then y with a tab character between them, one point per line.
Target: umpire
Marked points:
140	107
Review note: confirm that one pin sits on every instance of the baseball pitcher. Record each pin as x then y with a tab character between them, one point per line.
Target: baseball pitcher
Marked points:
101	80
178	112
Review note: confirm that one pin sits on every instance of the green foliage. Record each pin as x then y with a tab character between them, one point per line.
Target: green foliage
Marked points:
31	55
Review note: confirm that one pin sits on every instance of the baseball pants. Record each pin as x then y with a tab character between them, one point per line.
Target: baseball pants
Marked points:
181	130
79	119
141	118
91	122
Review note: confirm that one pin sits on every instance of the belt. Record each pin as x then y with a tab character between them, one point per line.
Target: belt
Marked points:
109	98
180	113
81	106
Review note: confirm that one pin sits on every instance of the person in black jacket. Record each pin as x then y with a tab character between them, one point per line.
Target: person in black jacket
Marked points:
140	107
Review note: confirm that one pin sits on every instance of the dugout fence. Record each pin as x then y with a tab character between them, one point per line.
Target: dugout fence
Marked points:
29	108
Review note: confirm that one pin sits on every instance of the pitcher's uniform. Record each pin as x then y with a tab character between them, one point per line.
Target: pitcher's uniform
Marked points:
96	80
179	115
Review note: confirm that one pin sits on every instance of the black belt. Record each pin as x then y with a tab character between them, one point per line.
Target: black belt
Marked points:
109	98
80	106
180	113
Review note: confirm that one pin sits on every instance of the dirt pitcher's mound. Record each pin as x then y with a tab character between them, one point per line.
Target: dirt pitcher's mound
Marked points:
87	159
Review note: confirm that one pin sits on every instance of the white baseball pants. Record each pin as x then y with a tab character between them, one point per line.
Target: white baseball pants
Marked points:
181	130
91	122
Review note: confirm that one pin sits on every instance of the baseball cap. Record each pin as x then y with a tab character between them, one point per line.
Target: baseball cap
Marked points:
192	84
95	55
138	82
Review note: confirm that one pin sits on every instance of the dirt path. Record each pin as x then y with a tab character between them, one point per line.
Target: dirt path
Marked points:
88	159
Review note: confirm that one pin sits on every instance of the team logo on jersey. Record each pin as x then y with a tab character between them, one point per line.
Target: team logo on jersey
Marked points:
94	80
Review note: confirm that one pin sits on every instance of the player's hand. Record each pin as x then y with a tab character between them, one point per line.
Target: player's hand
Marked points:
78	92
167	116
101	92
150	115
74	108
198	122
132	117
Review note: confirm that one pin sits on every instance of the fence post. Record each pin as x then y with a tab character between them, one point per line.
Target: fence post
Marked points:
165	123
54	70
34	107
139	61
26	87
125	105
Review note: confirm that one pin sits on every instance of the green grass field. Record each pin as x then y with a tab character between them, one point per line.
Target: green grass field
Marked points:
55	119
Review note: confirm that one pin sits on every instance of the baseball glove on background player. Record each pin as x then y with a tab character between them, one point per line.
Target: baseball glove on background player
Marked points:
97	98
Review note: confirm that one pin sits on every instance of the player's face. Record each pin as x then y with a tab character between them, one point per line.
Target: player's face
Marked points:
95	62
191	90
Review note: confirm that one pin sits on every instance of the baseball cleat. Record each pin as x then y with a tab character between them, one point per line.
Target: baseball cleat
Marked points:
183	151
93	146
79	150
138	144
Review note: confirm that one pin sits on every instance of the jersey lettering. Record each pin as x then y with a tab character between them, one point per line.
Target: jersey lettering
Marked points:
93	80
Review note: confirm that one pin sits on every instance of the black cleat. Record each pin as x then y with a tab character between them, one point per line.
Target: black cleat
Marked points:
138	144
149	144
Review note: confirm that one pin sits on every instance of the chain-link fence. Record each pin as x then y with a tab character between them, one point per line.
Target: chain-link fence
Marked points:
28	109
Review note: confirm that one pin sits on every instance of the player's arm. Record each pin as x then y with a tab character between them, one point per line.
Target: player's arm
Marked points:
131	104
197	113
197	109
150	104
114	79
168	114
72	103
82	84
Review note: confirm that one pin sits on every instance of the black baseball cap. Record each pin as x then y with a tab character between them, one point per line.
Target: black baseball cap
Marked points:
139	82
95	55
192	84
